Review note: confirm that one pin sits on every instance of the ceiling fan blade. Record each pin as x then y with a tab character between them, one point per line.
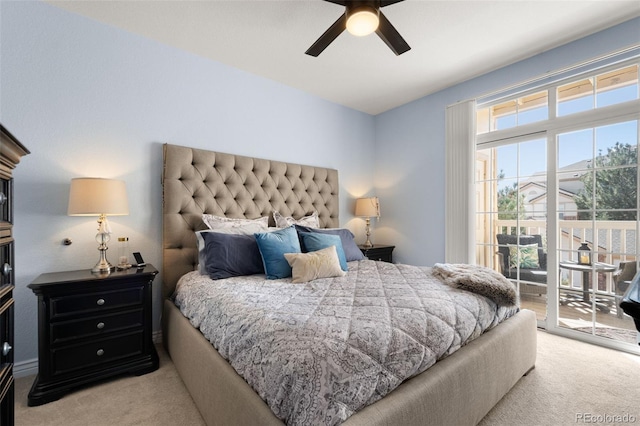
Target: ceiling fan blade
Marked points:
384	3
391	36
325	39
342	2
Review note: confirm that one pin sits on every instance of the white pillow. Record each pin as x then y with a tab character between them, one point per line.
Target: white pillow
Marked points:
316	264
219	222
310	221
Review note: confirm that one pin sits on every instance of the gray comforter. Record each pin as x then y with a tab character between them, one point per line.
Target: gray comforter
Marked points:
318	352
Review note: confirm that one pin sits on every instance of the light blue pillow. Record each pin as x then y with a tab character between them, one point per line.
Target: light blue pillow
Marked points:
273	246
314	241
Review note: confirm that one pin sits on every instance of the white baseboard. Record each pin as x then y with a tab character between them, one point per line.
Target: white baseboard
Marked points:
157	337
30	367
25	368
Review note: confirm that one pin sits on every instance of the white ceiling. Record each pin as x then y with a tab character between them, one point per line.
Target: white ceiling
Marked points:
451	41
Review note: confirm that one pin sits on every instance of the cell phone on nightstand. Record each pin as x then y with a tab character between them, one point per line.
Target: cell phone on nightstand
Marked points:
139	260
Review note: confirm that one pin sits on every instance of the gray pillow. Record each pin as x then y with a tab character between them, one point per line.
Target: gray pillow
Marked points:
351	250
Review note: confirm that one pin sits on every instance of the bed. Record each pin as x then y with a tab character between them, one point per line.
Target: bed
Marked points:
458	390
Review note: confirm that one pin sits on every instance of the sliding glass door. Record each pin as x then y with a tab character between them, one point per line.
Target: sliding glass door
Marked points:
598	227
511	216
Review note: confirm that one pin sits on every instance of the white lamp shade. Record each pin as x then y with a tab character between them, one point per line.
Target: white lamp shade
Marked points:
97	196
368	207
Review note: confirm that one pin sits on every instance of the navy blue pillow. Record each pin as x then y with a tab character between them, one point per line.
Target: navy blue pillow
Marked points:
273	246
314	241
351	250
231	255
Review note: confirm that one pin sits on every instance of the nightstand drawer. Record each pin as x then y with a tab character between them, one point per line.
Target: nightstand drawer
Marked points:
76	357
5	200
86	327
98	301
6	263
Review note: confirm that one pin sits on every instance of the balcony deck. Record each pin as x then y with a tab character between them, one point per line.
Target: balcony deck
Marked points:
579	315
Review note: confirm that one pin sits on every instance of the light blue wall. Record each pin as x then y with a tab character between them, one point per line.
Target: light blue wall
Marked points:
410	145
91	100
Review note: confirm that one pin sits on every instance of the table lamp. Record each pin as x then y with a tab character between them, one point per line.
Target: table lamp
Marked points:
102	198
368	208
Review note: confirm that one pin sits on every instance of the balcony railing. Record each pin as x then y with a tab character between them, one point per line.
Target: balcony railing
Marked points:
613	242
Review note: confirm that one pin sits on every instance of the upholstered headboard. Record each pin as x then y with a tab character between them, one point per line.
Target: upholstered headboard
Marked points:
197	181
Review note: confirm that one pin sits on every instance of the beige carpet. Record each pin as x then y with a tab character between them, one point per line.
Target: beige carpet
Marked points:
573	382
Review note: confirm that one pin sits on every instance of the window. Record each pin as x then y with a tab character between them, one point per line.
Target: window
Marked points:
516	112
559	169
610	88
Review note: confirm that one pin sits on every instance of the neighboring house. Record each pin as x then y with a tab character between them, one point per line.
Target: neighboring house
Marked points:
534	190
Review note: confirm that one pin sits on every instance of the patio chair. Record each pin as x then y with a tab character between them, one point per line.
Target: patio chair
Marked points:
630	303
533	276
622	280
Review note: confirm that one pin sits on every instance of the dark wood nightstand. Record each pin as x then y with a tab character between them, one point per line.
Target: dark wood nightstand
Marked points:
91	327
378	252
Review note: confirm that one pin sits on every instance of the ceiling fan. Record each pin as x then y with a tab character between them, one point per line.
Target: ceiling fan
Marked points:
362	18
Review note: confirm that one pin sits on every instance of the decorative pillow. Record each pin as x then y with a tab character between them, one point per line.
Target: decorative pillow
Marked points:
311	221
351	250
248	229
230	255
273	246
528	256
219	222
318	264
314	241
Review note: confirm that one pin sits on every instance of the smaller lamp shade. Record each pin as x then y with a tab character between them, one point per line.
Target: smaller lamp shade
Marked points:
368	207
97	196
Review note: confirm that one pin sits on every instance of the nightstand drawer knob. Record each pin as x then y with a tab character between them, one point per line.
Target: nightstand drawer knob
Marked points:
100	352
3	198
100	302
100	325
6	348
6	269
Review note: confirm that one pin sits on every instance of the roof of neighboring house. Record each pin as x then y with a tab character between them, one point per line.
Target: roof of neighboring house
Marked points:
568	177
542	196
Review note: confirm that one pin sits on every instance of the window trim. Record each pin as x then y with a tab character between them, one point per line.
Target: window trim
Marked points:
614	60
590	117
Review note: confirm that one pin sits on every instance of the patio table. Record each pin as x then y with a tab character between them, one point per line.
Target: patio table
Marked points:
585	269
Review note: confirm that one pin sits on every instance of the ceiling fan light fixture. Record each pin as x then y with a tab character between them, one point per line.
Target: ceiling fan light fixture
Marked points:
361	17
362	21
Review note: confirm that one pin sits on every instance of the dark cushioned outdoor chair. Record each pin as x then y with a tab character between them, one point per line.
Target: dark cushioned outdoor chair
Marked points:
536	278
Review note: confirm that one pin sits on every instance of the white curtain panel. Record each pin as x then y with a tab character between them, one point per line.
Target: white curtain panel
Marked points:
459	182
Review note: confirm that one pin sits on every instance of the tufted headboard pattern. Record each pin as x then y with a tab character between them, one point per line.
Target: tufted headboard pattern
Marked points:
197	181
